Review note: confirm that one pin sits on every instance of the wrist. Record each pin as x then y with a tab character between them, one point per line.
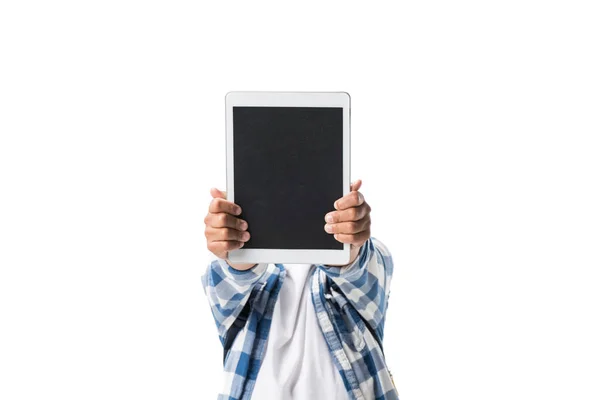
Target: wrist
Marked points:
354	251
239	266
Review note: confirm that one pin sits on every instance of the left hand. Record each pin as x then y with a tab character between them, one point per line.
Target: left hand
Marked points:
351	222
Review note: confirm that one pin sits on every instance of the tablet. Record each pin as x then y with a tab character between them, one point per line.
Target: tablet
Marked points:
288	161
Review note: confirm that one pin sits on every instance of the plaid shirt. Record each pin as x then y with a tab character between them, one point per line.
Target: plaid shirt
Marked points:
350	303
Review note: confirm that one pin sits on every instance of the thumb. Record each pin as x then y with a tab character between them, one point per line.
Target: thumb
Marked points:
216	193
356	185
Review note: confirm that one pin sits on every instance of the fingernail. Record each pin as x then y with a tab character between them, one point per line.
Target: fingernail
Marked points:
244	225
245	236
329	218
328	228
335	205
238	211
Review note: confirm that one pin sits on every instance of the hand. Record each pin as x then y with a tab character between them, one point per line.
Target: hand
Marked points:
351	223
224	231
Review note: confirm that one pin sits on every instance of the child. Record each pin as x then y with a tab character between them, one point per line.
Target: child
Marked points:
300	332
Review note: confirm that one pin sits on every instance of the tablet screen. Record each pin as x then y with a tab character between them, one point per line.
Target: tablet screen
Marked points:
288	172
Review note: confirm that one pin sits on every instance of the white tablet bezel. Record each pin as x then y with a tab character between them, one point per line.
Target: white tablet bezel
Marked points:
288	99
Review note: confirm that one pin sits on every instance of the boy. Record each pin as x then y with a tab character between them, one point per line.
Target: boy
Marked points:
299	332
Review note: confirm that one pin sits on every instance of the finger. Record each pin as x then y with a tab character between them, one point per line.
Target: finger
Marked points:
352	199
216	234
358	238
224	220
349	214
352	227
355	186
223	246
218	205
216	193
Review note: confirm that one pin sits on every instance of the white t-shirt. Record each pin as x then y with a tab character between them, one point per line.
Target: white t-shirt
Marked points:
297	364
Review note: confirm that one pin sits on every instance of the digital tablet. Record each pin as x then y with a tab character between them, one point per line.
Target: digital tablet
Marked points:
288	161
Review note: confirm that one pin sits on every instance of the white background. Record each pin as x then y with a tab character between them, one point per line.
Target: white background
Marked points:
475	129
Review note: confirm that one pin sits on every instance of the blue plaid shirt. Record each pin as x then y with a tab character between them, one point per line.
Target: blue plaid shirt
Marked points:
350	303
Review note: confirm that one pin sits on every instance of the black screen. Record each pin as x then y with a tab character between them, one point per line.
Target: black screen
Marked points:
288	172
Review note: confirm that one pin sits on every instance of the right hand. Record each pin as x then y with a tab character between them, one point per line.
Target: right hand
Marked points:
224	231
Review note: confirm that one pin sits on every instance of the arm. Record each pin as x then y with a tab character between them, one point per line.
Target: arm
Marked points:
228	286
365	282
228	290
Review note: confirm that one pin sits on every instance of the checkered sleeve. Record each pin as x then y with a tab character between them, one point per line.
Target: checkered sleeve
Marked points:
366	282
228	291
